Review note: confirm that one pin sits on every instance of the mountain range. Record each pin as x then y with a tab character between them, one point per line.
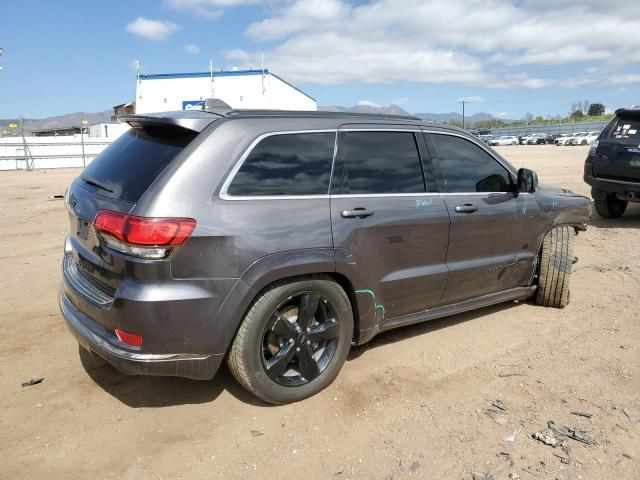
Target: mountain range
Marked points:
396	110
68	120
74	119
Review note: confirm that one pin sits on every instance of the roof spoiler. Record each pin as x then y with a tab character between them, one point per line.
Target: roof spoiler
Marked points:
194	120
635	111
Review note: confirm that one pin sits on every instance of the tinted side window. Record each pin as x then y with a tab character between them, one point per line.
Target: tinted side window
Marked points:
289	164
378	162
465	167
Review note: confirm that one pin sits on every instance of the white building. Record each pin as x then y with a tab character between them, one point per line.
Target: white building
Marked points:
107	130
237	88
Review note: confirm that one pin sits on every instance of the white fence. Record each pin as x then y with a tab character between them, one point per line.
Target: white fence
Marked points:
49	152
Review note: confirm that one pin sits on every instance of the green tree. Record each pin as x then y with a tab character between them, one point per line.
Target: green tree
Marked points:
577	114
595	110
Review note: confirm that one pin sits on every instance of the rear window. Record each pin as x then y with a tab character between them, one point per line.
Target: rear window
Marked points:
626	128
126	168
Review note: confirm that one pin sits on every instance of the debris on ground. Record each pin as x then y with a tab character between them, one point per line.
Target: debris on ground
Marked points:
501	405
256	433
565	460
496	416
56	197
514	476
564	431
482	476
633	416
547	439
511	437
414	467
33	381
582	414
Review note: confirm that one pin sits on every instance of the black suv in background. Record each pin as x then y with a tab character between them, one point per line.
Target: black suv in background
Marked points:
612	167
276	240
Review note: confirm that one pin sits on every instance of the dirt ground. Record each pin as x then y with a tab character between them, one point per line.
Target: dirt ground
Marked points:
416	402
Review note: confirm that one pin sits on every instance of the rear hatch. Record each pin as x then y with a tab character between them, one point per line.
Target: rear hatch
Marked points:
115	181
618	153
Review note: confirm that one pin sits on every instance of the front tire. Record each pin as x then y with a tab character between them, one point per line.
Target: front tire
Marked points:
293	340
556	260
610	206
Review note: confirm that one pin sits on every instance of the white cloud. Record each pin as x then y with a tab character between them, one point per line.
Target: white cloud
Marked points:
368	103
152	29
474	99
624	78
191	48
485	43
301	16
236	54
207	9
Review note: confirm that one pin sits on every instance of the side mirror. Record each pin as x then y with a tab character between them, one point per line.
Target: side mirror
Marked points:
527	181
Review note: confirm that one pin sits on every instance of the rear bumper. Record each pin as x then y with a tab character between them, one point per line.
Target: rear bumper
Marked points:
624	189
97	339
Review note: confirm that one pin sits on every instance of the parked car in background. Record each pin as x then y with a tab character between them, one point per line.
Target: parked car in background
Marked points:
524	139
274	241
555	136
539	139
565	141
486	138
612	167
504	140
585	139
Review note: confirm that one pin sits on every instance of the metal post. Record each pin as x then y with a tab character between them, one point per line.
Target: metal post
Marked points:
463	114
24	144
84	162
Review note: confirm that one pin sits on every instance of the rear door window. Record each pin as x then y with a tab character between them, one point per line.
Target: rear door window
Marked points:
377	163
465	167
127	168
287	164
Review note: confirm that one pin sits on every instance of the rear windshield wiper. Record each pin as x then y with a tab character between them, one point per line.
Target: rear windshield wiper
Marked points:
96	183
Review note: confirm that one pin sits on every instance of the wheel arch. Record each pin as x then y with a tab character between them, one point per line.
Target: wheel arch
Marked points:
285	266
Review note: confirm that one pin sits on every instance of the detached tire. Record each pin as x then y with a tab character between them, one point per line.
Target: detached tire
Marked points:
610	206
556	260
293	340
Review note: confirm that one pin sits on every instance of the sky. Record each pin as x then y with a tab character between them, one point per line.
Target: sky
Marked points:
510	56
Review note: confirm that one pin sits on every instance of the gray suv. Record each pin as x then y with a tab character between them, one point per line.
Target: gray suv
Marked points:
277	240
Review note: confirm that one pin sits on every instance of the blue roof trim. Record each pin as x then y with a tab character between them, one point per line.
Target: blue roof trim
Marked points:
294	87
219	73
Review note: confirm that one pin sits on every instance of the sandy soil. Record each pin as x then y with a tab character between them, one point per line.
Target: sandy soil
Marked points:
411	404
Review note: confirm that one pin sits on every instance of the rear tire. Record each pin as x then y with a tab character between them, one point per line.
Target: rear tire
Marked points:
556	260
269	361
610	206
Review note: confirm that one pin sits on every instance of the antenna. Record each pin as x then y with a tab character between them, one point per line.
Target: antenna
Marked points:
138	70
211	74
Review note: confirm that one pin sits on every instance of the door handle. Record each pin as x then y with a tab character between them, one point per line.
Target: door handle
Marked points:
357	212
466	208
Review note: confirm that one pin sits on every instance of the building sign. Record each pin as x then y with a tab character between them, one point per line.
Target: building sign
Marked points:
192	104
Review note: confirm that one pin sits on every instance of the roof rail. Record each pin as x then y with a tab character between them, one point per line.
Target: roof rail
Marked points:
315	113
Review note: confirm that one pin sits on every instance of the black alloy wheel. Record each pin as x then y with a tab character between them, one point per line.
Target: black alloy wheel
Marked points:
300	339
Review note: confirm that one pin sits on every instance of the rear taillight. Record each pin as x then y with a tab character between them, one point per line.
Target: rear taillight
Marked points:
144	237
593	147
